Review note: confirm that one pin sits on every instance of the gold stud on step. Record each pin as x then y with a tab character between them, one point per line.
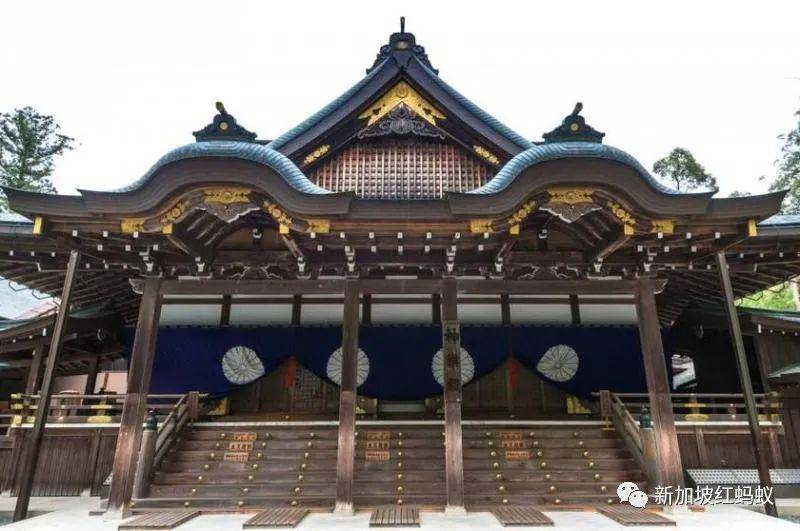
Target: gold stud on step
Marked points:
575	434
245	490
310	444
250	477
193	491
294	503
597	477
199	478
558	501
610	501
490	444
505	501
216	445
399	433
535	443
399	465
297	490
585	454
547	477
312	434
531	434
488	434
539	453
212	455
240	503
305	455
492	454
255	466
543	464
603	488
399	501
501	488
222	435
263	445
259	455
495	465
498	476
133	504
552	488
400	488
400	444
399	454
399	476
591	464
300	477
205	467
580	443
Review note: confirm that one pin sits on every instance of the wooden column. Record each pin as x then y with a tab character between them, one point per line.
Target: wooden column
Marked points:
91	375
655	369
759	451
37	433
345	455
32	385
135	405
451	347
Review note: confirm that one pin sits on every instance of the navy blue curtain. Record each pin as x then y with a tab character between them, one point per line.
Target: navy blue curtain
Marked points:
609	357
400	357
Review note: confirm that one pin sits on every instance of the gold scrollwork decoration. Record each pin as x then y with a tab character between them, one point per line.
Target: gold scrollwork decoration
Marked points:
570	196
226	196
522	212
173	214
279	215
316	154
320	226
621	213
480	226
486	155
131	225
402	93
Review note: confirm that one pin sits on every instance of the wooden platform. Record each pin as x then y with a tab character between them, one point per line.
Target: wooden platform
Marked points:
160	520
278	517
395	516
528	516
629	515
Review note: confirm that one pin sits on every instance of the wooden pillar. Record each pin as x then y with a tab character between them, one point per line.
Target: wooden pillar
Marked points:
32	385
655	369
37	433
135	404
91	375
759	451
147	454
345	455
451	347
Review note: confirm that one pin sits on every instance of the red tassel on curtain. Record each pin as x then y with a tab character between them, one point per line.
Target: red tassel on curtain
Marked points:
513	370
291	369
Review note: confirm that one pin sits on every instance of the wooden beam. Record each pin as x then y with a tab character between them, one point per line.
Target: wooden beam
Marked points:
451	347
225	311
91	374
436	311
345	456
575	309
740	355
37	433
411	286
297	309
366	309
655	370
32	385
135	404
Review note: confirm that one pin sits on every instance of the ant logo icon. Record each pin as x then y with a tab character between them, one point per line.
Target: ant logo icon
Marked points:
629	492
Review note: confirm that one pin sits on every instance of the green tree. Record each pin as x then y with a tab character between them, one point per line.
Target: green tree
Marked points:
683	172
775	298
739	193
789	169
29	143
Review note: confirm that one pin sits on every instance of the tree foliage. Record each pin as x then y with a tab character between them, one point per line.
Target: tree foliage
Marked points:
681	170
789	169
29	143
776	298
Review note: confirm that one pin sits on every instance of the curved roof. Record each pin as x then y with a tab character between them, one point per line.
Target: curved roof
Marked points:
235	150
566	150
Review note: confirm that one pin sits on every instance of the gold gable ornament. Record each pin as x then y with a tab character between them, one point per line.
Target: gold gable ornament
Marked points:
570	204
403	93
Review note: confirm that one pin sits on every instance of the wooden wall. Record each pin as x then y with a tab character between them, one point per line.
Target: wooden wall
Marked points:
72	461
775	351
708	446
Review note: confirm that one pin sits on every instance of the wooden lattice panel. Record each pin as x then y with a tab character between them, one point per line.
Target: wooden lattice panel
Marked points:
402	169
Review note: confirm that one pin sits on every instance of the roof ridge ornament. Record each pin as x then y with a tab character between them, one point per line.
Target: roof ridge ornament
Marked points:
224	127
402	46
574	129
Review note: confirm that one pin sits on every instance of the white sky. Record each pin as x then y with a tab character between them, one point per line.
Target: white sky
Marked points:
132	80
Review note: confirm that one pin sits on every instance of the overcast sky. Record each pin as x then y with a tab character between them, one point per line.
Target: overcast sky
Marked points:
132	80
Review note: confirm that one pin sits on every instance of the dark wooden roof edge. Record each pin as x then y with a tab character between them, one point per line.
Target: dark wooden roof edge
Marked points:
82	319
185	174
308	134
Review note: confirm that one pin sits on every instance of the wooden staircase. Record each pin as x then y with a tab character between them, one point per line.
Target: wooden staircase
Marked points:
247	468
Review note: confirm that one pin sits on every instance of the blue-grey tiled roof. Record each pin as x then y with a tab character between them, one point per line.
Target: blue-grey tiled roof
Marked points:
479	113
240	150
781	219
564	150
323	113
13	217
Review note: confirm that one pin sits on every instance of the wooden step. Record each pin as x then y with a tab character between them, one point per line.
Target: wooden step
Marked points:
276	518
518	516
628	515
395	516
159	520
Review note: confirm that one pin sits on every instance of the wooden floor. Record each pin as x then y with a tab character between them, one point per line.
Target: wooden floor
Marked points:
628	515
159	520
274	518
395	516
527	516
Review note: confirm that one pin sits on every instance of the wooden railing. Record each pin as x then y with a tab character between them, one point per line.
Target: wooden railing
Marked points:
68	408
702	407
185	410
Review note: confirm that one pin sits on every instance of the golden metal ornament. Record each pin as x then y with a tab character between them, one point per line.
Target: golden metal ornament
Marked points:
131	225
487	155
621	213
226	196
321	226
317	154
523	212
278	214
402	93
480	226
174	213
666	226
570	196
